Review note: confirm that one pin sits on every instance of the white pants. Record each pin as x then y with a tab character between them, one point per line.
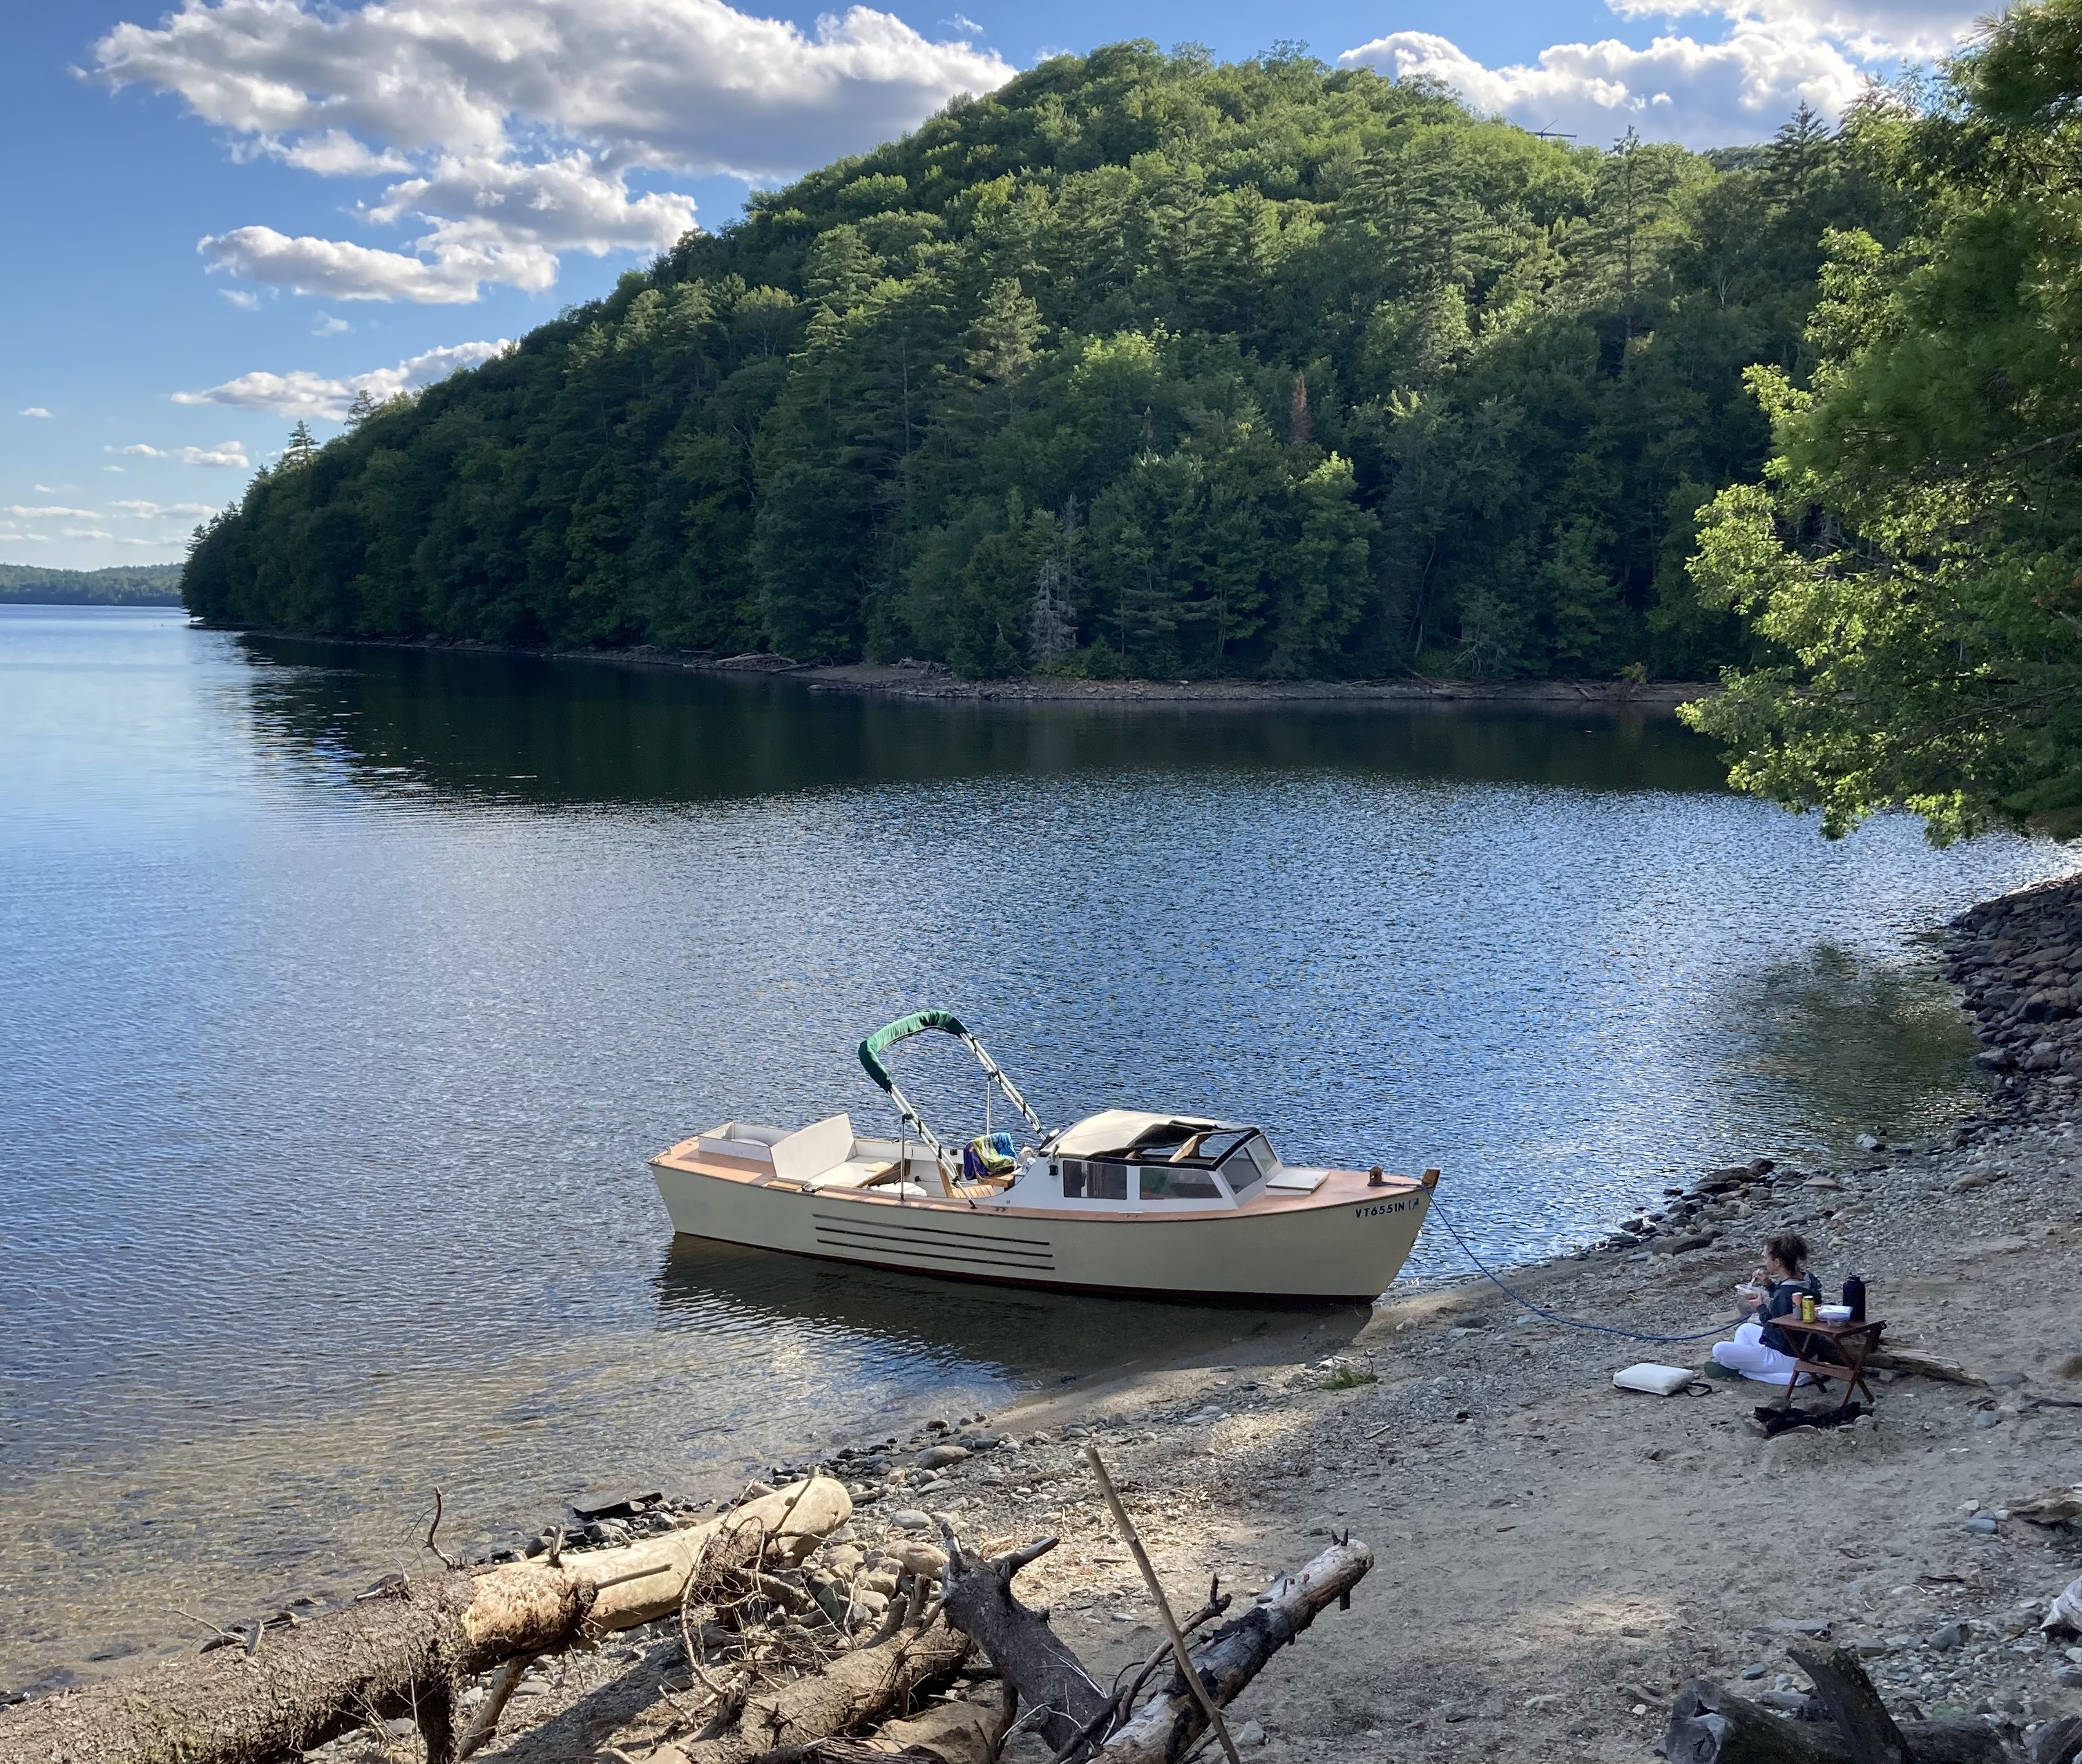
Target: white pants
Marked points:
1747	1355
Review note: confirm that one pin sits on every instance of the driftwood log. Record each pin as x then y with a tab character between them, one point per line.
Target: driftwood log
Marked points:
1163	1729
855	1689
1915	1363
405	1649
1068	1708
1709	1724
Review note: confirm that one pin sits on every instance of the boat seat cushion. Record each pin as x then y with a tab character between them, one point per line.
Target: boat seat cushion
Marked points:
814	1150
1291	1182
855	1172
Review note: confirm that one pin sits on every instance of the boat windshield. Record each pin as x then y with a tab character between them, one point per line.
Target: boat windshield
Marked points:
1190	1144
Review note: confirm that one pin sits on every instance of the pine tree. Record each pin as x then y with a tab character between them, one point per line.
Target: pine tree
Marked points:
1059	580
302	445
1003	343
1796	154
363	408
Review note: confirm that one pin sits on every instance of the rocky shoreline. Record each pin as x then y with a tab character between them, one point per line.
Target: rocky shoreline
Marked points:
910	679
1555	1557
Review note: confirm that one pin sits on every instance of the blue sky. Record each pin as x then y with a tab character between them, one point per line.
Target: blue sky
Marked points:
236	212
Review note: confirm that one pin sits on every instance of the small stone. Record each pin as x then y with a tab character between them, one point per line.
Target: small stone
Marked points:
939	1457
1982	1526
1986	1417
1951	1637
1759	1669
1250	1733
910	1519
1870	1142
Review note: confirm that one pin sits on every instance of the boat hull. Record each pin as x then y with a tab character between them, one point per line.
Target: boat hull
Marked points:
1349	1247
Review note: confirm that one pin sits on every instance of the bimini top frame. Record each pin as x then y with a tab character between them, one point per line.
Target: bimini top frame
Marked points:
886	1038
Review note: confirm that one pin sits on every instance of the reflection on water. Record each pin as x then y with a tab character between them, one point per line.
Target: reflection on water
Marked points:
1845	1044
343	992
1026	1335
530	730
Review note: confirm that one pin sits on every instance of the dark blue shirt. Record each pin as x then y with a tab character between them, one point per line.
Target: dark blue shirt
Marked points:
1782	1300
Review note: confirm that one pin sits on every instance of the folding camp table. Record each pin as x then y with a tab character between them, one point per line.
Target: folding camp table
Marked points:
1852	1343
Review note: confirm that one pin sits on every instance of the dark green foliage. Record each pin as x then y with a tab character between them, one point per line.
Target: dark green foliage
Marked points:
1915	556
1142	365
151	584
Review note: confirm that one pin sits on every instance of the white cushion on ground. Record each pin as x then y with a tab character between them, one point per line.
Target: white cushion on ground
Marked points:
1656	1380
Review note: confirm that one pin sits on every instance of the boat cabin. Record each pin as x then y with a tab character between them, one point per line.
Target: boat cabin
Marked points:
1125	1158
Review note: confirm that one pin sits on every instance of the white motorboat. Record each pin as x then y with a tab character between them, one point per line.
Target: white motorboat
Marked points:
1124	1201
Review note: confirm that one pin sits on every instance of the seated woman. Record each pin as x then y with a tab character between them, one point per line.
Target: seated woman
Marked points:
1760	1349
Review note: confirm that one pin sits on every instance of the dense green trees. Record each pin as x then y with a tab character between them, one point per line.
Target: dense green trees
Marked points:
1142	365
123	584
1915	559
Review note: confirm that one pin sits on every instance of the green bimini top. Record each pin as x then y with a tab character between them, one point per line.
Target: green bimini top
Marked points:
872	1050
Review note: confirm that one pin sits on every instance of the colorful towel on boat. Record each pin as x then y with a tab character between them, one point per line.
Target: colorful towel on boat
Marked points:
986	1155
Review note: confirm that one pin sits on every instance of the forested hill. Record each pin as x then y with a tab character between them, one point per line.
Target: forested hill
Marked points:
123	584
1143	365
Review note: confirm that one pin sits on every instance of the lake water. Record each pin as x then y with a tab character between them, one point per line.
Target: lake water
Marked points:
343	992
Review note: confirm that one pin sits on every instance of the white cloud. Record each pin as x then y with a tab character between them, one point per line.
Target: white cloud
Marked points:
1888	31
83	533
519	127
1771	56
51	513
53	490
336	154
325	325
35	409
243	298
133	510
228	454
232	454
338	269
303	394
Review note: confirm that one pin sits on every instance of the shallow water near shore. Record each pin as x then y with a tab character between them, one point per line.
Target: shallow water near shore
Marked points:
343	992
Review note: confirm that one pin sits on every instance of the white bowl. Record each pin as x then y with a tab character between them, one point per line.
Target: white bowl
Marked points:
1833	1313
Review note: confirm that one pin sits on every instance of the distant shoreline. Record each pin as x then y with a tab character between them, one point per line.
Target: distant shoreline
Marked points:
933	680
42	598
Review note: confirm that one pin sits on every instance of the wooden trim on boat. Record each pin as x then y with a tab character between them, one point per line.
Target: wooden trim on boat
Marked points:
1340	1187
